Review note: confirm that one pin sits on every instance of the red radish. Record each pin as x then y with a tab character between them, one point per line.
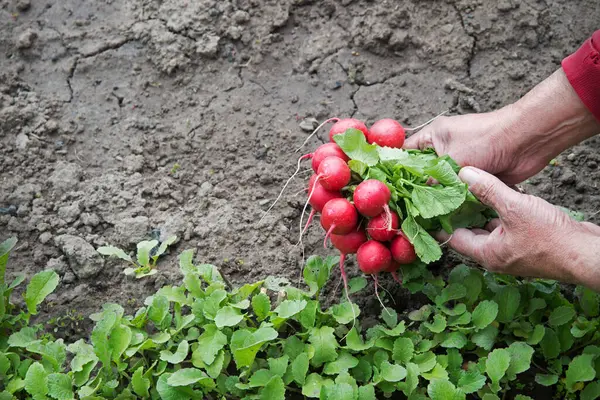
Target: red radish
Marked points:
373	257
344	124
333	173
371	198
387	133
403	251
379	227
348	244
393	269
318	197
327	150
311	182
339	217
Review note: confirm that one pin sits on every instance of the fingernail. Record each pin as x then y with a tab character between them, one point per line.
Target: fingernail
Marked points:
469	176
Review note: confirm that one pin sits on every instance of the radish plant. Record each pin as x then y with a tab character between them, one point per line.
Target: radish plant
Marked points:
476	335
148	253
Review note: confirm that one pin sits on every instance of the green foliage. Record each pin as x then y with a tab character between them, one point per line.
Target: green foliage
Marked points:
425	207
148	253
481	336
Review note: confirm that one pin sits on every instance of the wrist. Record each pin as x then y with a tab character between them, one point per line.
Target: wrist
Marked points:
548	120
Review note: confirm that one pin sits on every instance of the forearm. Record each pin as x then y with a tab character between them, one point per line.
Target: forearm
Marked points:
550	119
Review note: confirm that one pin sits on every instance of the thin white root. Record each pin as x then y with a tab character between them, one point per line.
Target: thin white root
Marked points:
446	242
315	131
304	211
377	293
416	128
389	294
282	190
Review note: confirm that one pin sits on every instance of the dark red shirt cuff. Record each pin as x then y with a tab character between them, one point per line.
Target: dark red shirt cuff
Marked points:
583	72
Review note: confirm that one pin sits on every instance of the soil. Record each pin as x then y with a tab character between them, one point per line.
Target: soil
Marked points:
122	120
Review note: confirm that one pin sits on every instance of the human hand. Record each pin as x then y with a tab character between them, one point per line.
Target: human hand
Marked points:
531	237
517	141
479	140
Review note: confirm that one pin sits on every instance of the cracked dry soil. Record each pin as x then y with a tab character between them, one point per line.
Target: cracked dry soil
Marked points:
123	120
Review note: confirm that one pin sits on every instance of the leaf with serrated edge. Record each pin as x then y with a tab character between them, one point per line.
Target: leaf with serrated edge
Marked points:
300	368
289	308
325	345
484	314
471	381
179	355
426	247
60	386
441	389
433	201
403	350
561	315
140	383
354	144
41	285
228	316
210	343
496	364
581	369
187	377
36	381
520	358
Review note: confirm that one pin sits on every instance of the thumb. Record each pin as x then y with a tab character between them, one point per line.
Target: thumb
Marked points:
490	190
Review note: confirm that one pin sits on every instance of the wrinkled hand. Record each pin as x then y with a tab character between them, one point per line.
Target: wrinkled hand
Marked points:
531	238
482	141
517	141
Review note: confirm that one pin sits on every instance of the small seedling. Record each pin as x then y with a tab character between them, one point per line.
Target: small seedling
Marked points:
148	253
175	168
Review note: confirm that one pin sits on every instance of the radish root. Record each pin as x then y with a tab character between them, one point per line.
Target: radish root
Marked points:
310	218
377	292
396	278
315	131
285	186
303	211
345	279
416	128
328	235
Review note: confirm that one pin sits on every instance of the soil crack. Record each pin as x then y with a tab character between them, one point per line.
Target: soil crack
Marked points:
69	77
107	47
473	50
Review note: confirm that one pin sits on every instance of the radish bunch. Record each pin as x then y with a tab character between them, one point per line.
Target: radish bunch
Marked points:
358	221
381	202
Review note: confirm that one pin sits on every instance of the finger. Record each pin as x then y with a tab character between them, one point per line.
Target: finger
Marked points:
466	242
490	190
493	224
420	140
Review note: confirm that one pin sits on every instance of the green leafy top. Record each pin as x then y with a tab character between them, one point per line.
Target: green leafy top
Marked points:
409	174
478	337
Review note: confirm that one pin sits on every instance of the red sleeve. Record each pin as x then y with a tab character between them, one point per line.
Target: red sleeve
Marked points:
583	72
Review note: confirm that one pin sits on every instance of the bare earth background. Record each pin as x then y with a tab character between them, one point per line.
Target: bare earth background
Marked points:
129	119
